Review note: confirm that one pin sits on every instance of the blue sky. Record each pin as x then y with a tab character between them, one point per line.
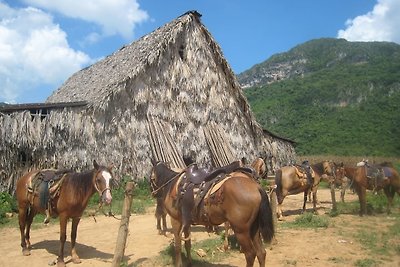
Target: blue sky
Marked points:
43	42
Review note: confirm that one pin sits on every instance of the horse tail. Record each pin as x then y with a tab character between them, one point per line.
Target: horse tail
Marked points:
264	221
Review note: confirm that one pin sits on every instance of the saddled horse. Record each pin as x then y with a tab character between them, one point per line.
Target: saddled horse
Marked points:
68	198
362	181
237	198
288	182
260	172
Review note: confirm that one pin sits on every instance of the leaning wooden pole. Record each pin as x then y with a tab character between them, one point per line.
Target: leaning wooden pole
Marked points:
273	203
124	226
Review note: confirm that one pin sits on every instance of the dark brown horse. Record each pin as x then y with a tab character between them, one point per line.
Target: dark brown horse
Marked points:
390	183
69	201
239	200
288	182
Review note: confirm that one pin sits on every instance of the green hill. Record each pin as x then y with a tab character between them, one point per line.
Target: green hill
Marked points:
331	97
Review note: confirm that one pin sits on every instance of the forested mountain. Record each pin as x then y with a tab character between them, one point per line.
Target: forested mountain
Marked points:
331	96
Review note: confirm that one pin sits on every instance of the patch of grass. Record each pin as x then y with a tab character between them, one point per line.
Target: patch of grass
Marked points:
8	204
366	263
345	208
308	220
212	248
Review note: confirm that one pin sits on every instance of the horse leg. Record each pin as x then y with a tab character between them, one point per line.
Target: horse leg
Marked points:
176	228
158	217
247	247
314	193
279	200
164	223
305	201
260	251
63	238
22	215
342	193
389	192
28	222
226	239
188	246
74	230
361	192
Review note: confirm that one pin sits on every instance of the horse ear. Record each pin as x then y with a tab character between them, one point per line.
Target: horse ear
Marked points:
96	166
154	162
111	166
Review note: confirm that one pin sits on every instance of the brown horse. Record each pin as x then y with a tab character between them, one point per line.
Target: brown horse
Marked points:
390	183
288	182
69	201
239	200
260	168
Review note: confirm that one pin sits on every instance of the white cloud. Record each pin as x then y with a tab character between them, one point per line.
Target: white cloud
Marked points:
380	24
114	16
33	51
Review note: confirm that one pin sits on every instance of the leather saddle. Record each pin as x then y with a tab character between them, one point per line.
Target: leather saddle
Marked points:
197	175
196	183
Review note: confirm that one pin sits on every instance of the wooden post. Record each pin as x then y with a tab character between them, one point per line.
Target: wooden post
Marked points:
332	186
124	226
273	204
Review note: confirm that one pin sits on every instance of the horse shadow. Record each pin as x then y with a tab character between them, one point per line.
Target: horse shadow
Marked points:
84	251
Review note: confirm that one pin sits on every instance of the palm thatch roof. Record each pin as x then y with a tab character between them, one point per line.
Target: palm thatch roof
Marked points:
176	75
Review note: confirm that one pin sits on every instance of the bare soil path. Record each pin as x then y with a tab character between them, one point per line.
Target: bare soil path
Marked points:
333	246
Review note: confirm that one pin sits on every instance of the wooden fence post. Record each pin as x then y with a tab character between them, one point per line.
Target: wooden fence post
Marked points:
124	226
273	204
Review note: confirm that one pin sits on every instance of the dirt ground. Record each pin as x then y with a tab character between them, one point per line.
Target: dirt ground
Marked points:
96	241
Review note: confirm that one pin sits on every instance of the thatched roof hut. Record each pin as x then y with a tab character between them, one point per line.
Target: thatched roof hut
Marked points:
176	75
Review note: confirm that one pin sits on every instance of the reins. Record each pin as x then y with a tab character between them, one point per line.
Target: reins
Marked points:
154	192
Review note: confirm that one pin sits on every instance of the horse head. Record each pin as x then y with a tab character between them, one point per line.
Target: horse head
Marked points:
260	168
102	179
339	173
161	175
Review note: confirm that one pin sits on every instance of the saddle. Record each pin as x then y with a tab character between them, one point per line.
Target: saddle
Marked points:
197	175
195	184
46	185
305	173
376	176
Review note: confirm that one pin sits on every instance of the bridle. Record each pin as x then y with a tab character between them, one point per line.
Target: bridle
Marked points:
155	189
96	186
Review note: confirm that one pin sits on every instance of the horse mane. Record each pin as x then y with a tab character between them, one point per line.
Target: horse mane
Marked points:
167	173
81	181
386	164
318	168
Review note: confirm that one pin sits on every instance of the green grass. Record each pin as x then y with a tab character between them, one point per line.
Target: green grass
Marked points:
212	248
367	263
308	220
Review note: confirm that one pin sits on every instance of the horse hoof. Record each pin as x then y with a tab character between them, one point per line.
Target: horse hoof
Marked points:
61	264
26	252
76	261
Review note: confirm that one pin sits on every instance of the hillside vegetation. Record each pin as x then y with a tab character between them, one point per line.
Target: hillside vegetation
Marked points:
331	97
